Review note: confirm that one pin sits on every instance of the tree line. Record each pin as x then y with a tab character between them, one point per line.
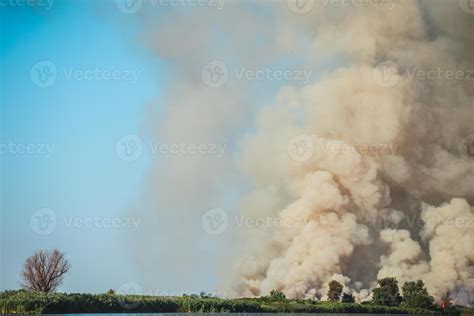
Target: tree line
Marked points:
414	294
44	272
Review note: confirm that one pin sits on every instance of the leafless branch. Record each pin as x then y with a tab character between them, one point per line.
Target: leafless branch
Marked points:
44	271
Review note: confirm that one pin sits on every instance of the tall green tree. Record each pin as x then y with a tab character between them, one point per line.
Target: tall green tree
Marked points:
387	294
335	291
416	295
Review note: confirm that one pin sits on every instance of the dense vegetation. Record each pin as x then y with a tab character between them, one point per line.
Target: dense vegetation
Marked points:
27	302
387	294
38	297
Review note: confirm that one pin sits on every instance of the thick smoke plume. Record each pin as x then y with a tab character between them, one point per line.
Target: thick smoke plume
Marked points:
367	214
384	190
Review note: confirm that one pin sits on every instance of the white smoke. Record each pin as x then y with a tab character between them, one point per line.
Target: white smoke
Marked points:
341	195
384	161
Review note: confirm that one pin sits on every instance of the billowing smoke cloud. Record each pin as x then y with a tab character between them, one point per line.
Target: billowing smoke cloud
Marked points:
362	164
351	190
182	186
448	230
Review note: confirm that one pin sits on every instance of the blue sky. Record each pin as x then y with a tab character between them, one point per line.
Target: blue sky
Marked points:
76	80
83	119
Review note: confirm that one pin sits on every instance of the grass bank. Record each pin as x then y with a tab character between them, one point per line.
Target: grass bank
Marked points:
23	302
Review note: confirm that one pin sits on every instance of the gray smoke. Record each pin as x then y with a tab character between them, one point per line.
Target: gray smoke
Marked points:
385	180
342	193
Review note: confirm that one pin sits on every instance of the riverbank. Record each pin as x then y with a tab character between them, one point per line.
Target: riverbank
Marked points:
23	302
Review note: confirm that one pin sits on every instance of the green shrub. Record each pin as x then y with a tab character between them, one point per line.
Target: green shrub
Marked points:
415	295
347	298
387	294
277	295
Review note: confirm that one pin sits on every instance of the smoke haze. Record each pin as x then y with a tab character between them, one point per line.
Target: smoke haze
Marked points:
384	189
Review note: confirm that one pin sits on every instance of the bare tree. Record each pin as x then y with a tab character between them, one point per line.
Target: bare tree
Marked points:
44	271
